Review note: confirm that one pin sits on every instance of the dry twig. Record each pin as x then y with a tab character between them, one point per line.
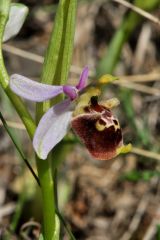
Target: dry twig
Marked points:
146	153
7	209
32	56
139	11
149	77
139	87
151	232
124	81
153	76
136	218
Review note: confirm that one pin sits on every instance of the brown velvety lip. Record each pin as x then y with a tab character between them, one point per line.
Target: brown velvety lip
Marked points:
101	144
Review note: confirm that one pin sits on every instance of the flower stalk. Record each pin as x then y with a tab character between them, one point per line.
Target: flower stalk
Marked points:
57	60
47	189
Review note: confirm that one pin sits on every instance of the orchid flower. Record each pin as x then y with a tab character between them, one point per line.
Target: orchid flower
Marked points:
93	122
54	124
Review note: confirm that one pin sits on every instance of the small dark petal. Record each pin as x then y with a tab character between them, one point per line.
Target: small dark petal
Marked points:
101	144
94	104
94	100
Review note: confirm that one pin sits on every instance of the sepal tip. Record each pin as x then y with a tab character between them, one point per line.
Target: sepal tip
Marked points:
124	149
105	79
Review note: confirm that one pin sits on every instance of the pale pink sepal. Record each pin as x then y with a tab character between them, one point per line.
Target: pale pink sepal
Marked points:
32	90
52	127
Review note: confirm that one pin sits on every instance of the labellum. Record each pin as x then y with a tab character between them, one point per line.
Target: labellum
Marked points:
97	127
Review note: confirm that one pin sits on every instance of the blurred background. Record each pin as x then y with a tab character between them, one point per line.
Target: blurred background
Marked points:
101	200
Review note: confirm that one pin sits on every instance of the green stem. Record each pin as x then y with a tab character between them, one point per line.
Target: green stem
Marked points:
55	71
4	9
46	182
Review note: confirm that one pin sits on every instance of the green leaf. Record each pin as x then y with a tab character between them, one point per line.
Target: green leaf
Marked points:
17	15
59	53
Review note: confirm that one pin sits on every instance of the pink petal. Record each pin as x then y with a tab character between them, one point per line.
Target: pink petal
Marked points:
70	91
52	127
32	90
83	79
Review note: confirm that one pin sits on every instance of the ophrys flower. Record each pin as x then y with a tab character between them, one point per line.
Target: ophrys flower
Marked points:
93	122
